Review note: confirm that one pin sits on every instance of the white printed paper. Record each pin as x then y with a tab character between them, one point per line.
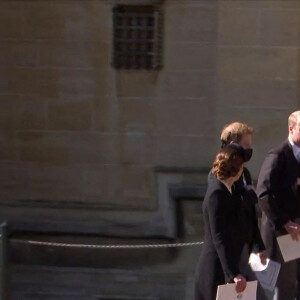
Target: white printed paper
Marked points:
266	274
228	292
290	249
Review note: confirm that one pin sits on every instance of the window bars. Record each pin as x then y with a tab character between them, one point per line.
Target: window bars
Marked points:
137	37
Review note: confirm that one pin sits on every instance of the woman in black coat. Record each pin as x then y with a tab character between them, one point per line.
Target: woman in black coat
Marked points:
225	254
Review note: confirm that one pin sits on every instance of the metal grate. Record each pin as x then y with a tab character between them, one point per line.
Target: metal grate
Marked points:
137	37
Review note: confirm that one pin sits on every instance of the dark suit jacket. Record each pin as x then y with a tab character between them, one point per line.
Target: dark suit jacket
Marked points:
224	240
277	192
244	188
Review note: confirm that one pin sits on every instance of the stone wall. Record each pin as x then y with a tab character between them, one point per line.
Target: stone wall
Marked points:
81	140
258	69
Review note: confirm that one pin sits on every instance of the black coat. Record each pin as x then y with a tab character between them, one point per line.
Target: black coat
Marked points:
277	193
249	200
224	240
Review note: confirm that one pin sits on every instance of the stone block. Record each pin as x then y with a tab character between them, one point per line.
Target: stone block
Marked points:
135	149
18	53
186	117
274	4
280	27
137	115
104	114
49	155
95	183
14	179
193	56
262	93
68	21
43	21
32	118
10	20
238	26
180	85
74	54
8	150
258	63
185	151
92	148
137	83
98	22
53	84
200	151
191	23
70	115
16	112
53	182
9	111
18	81
131	186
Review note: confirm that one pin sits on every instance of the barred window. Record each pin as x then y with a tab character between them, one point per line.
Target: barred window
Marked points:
137	37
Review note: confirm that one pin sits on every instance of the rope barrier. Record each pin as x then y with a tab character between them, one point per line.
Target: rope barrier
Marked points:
51	244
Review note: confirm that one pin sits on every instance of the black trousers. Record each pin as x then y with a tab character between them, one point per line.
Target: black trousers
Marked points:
286	287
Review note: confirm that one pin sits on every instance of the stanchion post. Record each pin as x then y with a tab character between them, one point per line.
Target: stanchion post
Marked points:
4	272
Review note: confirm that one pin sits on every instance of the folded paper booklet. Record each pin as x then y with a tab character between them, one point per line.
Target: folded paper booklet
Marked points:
290	249
266	274
228	292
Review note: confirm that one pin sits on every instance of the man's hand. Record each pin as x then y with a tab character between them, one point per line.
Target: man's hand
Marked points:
240	283
293	229
263	257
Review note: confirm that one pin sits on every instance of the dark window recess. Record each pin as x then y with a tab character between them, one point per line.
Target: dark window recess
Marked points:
137	37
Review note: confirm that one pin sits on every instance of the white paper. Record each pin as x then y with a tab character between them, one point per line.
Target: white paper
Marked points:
290	249
228	292
255	263
266	274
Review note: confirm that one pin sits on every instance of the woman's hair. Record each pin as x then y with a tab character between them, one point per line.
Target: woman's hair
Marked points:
228	162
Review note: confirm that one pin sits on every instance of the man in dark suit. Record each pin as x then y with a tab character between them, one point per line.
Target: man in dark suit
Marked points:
241	134
279	199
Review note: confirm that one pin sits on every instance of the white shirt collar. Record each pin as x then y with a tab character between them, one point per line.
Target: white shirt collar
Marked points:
295	148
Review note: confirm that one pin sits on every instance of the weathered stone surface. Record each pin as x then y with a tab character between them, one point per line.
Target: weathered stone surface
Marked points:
104	114
185	117
238	26
187	84
8	150
263	93
10	20
193	56
60	20
30	283
74	54
258	63
71	115
191	23
280	27
133	185
138	115
18	53
19	81
56	83
137	84
16	112
172	150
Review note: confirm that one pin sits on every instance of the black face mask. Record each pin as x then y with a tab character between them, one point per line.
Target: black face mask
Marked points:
247	154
